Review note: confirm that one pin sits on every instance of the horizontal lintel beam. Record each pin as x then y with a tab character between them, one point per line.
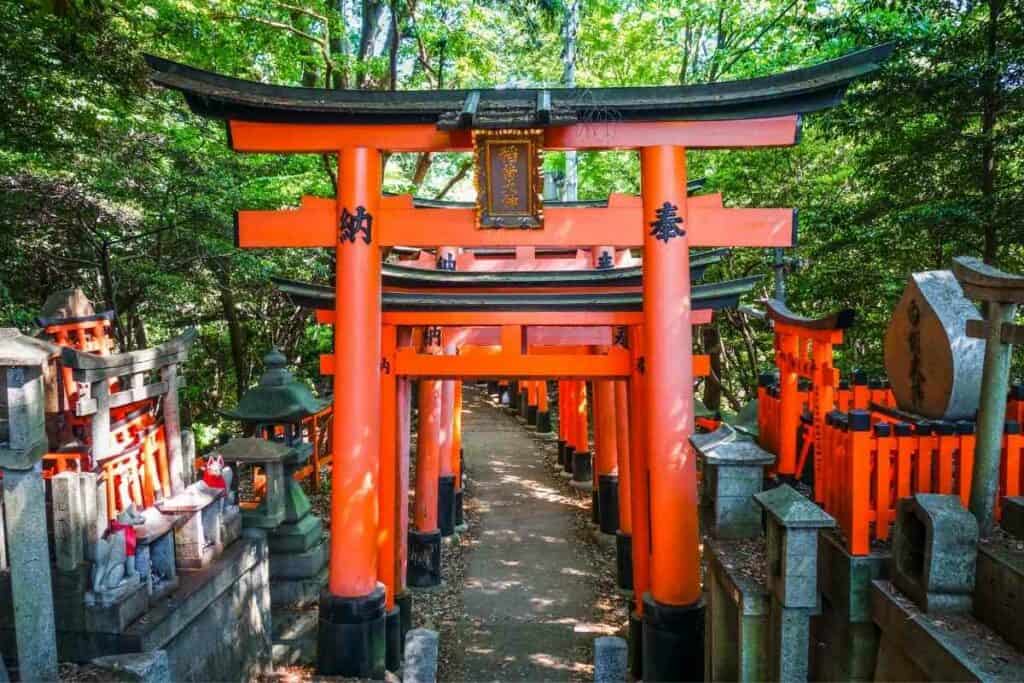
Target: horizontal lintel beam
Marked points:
525	318
621	224
254	136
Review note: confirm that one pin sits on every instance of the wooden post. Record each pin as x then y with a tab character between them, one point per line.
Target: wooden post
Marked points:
640	551
606	456
403	599
388	496
425	540
352	609
624	562
674	612
446	473
457	456
582	463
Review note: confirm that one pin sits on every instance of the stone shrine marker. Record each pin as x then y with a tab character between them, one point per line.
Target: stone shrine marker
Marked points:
933	366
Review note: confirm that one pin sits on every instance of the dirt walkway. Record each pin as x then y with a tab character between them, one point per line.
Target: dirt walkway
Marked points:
530	583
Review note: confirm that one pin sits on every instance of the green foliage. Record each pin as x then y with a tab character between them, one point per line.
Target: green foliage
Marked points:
112	185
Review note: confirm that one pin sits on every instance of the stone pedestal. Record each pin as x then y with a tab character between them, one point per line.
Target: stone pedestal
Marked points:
199	525
24	501
935	547
792	577
736	634
733	471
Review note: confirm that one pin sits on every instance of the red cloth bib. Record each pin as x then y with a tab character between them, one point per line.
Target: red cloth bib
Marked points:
129	535
214	481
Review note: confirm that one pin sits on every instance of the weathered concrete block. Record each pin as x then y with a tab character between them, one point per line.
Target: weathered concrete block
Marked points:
421	647
610	660
999	591
1013	516
916	646
935	546
841	650
736	628
68	520
793	524
844	640
933	366
845	579
143	667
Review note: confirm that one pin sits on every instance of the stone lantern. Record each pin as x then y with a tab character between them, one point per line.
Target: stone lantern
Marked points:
279	400
23	506
298	553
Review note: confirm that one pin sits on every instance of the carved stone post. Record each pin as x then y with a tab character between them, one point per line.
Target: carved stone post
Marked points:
172	429
22	445
1001	293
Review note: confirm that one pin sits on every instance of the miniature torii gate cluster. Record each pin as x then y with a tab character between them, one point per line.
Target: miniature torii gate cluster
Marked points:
373	347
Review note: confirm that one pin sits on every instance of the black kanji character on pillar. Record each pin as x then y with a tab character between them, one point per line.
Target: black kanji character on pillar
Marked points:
351	225
667	225
446	262
641	366
432	336
604	261
385	366
620	336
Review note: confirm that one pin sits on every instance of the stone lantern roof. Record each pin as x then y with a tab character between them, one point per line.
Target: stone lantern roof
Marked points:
278	398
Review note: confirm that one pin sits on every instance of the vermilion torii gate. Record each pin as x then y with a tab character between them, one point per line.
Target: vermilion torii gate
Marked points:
661	123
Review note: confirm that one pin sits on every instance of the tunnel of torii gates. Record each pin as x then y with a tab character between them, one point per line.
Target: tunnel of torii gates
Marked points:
507	130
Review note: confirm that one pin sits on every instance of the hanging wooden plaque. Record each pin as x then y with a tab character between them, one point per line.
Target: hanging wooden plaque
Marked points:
508	178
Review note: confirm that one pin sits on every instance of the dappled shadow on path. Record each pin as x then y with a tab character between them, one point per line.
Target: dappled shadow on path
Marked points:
529	586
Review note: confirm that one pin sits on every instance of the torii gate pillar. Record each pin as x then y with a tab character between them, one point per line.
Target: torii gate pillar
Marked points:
673	615
351	634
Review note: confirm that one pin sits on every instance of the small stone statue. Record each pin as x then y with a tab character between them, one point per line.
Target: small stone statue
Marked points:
115	554
217	477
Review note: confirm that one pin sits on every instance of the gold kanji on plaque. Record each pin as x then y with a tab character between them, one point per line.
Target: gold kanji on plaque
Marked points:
508	178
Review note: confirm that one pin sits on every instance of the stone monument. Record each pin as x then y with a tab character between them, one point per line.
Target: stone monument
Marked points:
934	367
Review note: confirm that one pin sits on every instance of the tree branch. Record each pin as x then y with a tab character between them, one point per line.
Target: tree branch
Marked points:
749	46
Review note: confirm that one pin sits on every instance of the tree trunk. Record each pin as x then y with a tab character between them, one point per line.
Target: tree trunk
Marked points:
990	108
235	332
570	32
372	11
339	44
712	384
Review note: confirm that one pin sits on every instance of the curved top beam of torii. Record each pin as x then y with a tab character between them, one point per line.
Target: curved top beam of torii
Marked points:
794	92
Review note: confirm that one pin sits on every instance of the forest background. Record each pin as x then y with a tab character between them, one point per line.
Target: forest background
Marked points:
110	184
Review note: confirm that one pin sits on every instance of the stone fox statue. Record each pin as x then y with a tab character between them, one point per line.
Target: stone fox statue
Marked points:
217	476
115	552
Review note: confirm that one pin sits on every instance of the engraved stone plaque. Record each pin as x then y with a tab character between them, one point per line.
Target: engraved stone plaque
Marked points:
933	366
